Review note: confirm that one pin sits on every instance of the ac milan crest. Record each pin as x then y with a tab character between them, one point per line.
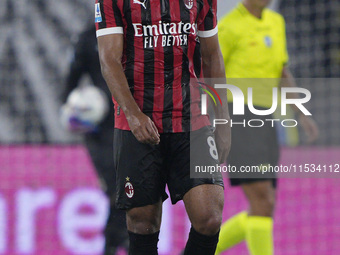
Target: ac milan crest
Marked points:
129	190
189	3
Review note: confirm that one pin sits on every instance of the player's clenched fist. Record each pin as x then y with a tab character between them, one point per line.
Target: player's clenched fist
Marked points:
143	128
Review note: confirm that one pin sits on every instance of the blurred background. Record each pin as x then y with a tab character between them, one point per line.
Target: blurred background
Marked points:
50	200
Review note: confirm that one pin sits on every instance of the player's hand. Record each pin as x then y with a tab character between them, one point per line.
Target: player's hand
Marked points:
309	127
143	128
223	141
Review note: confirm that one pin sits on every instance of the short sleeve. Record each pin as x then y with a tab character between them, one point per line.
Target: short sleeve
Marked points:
108	18
207	21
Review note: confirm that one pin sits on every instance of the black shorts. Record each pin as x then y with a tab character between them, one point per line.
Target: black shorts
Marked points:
144	170
252	146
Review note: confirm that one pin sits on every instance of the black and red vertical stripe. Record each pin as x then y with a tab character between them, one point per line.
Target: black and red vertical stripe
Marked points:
159	74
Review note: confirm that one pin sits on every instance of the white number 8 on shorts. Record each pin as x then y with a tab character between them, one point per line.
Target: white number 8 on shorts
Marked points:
212	146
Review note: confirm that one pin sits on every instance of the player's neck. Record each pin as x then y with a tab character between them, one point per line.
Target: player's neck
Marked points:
253	9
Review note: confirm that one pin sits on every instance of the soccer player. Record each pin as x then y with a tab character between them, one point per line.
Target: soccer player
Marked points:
150	50
100	143
253	44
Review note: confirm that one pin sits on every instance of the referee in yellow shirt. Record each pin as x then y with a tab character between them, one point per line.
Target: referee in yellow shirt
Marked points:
253	44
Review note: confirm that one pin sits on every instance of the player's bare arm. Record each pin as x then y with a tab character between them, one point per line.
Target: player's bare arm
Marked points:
213	67
110	49
308	124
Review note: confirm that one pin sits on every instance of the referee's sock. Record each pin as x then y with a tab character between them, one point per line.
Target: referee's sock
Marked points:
143	244
256	230
233	231
199	244
259	235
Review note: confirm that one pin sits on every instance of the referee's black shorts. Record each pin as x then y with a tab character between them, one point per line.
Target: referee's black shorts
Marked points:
252	147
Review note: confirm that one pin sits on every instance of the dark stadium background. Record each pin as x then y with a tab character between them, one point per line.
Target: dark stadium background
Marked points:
39	160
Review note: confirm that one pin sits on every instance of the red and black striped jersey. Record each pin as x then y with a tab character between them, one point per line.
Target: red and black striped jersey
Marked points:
161	56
